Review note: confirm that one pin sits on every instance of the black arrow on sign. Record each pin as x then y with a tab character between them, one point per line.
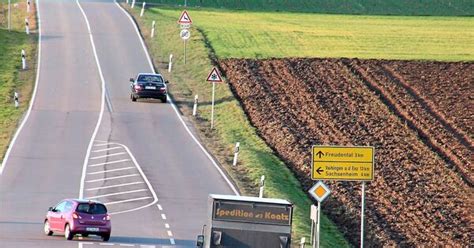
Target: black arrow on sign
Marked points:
319	170
320	154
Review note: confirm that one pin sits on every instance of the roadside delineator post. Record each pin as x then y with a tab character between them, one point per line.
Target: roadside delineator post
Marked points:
16	99
28	6
133	4
170	64
195	105
127	1
302	242
23	59
262	186
236	153
27	26
143	9
153	29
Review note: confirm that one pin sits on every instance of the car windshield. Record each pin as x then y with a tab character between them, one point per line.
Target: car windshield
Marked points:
91	208
150	78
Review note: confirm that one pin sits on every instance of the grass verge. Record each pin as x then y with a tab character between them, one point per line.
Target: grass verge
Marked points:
12	77
231	124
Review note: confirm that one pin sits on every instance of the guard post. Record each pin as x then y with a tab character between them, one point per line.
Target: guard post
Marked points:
242	221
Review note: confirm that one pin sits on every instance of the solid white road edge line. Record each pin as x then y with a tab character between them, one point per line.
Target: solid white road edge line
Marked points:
108	155
33	96
231	185
102	103
118	193
114	186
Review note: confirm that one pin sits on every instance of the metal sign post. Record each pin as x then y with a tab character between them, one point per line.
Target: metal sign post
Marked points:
345	163
319	192
213	77
362	216
185	22
185	34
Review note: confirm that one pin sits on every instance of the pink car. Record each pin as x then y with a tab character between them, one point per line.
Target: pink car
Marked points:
76	216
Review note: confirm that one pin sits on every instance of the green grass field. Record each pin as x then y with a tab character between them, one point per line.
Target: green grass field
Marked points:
237	34
12	78
364	7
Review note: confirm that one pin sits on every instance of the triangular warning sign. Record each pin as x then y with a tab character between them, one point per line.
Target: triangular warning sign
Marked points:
185	18
214	76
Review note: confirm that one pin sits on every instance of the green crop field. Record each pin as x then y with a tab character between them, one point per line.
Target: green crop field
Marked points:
366	7
238	34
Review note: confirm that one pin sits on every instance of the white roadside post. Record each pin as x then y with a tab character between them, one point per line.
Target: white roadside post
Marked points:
153	29
133	4
27	26
143	9
9	15
214	77
302	242
16	99
195	105
319	192
262	186
170	64
28	6
127	1
236	153
23	59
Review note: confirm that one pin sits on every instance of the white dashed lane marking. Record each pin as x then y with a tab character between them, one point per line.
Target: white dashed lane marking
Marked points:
163	216
159	207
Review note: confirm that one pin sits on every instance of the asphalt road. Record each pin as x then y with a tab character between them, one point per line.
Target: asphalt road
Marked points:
142	162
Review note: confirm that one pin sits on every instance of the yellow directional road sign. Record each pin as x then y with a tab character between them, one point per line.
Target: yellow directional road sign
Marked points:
343	163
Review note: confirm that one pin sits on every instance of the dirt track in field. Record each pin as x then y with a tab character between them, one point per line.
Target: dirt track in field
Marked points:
419	116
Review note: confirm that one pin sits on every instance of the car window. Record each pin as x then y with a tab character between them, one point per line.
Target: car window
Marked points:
68	207
91	208
150	78
60	207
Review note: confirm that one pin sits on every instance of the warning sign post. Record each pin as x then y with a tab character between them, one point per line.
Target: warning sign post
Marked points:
214	77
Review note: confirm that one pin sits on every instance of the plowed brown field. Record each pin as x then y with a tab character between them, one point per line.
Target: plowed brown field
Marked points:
419	116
